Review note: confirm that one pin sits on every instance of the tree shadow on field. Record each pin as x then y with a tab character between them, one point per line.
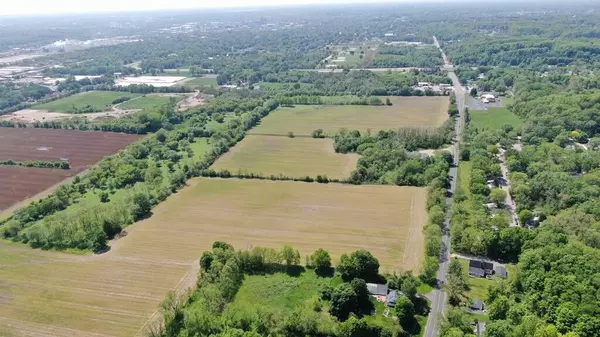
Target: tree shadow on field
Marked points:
325	272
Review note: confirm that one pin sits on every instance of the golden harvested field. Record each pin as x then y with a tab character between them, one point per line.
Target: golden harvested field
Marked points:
386	220
405	112
117	293
292	157
55	294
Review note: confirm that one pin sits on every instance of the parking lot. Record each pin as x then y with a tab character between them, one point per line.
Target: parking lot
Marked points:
475	103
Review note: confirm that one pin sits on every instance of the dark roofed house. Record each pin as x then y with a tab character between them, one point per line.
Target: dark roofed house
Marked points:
479	268
488	267
501	271
477	305
392	297
377	289
476	272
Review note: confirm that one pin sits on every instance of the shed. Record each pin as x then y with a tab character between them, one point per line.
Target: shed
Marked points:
392	297
500	271
477	305
377	289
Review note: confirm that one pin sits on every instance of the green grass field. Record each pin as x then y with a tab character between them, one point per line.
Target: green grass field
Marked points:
97	99
280	291
281	294
405	112
464	177
201	82
292	157
146	102
493	119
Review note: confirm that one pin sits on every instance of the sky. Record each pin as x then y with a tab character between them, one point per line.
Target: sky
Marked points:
33	7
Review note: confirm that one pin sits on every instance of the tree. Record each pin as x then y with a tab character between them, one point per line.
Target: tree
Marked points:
525	216
498	196
388	101
318	133
405	311
206	260
499	308
360	264
290	134
290	256
409	286
455	283
343	301
320	260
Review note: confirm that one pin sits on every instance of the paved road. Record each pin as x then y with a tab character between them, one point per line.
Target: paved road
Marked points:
505	185
439	296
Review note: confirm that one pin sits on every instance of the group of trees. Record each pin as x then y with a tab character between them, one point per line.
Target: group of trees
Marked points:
385	157
362	83
63	164
408	56
53	223
223	270
14	97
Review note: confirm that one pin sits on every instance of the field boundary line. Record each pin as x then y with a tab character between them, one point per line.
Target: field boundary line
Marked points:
194	267
410	229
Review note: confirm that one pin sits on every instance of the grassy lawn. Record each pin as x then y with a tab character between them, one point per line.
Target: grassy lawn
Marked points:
464	177
97	99
201	82
145	102
424	289
200	147
280	291
292	157
493	119
405	111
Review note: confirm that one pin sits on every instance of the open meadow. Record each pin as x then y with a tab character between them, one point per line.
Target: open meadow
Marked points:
493	119
405	112
146	102
99	100
81	148
292	157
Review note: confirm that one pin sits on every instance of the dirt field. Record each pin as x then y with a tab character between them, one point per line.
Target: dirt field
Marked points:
19	183
405	111
82	148
293	157
116	293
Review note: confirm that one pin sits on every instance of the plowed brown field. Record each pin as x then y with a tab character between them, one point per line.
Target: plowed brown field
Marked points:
81	148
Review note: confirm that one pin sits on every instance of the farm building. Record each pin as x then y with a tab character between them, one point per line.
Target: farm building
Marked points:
500	271
392	297
377	289
480	268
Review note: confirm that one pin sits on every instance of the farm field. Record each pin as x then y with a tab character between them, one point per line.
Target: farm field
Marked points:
292	157
55	294
19	183
97	99
145	102
405	112
247	213
82	148
493	119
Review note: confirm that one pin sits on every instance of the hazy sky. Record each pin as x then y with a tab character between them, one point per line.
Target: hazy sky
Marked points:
12	7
